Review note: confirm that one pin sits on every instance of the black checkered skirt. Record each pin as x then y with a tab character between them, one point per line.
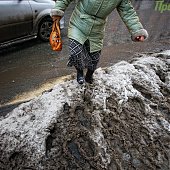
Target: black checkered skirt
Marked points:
80	55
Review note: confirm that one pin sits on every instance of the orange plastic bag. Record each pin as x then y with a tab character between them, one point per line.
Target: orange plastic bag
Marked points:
55	37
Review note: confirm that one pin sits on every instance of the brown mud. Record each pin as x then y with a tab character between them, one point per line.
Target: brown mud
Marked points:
28	66
121	122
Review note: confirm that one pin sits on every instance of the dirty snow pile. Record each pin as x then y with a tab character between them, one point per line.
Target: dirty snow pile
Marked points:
122	121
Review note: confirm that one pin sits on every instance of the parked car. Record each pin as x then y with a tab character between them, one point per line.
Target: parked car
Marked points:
22	20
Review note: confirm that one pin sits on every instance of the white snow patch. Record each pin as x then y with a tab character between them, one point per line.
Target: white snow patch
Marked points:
31	121
167	52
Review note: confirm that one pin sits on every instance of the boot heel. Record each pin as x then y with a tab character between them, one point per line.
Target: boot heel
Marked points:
80	76
89	76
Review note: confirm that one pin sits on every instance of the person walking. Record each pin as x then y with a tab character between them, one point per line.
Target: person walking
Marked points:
86	31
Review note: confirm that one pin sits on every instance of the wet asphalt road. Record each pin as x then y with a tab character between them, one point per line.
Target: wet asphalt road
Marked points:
25	67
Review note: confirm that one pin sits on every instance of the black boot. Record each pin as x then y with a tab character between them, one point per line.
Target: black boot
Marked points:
80	76
89	76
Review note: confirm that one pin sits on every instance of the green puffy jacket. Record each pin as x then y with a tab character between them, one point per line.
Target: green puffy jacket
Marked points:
89	18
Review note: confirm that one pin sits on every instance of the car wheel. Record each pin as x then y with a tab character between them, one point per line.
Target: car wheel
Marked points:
45	27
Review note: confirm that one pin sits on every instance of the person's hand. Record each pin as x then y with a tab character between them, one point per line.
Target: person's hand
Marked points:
140	38
56	18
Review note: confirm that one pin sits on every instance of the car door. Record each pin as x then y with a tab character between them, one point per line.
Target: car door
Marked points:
16	19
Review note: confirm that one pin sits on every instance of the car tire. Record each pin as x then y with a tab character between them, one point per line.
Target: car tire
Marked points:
44	29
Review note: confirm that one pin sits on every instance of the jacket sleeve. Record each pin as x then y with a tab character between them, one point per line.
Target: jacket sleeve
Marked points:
131	20
60	7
